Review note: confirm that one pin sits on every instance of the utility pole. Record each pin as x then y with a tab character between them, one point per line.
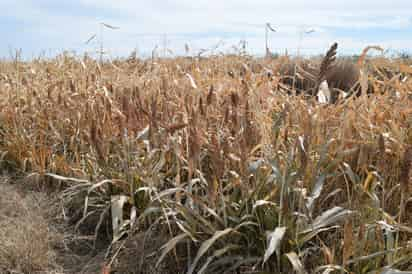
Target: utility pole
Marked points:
303	32
101	37
101	43
268	28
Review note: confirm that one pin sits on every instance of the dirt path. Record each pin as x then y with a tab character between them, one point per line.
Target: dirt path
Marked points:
34	237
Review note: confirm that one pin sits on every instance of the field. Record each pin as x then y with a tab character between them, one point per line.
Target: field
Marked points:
219	164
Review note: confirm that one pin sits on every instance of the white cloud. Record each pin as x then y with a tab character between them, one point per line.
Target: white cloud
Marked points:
203	22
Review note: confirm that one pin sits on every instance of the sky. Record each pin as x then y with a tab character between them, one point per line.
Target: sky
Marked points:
47	27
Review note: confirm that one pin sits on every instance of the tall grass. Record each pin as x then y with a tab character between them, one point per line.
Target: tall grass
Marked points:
217	162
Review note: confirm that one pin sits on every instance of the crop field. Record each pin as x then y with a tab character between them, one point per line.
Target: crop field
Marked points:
218	164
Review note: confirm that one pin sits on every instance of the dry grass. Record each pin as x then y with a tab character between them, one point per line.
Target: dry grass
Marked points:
26	241
215	157
34	237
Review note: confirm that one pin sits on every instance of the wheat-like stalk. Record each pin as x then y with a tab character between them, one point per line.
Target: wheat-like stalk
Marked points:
326	64
218	168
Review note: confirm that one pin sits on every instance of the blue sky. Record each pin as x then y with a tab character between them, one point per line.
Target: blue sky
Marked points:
50	26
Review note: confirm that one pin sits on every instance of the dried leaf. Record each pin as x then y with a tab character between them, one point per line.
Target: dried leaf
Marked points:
296	263
171	244
274	239
191	80
117	204
206	246
328	217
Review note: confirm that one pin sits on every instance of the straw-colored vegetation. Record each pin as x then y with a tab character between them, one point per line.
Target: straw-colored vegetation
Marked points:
215	165
26	240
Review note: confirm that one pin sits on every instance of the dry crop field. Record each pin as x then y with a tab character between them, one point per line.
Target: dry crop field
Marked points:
216	165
